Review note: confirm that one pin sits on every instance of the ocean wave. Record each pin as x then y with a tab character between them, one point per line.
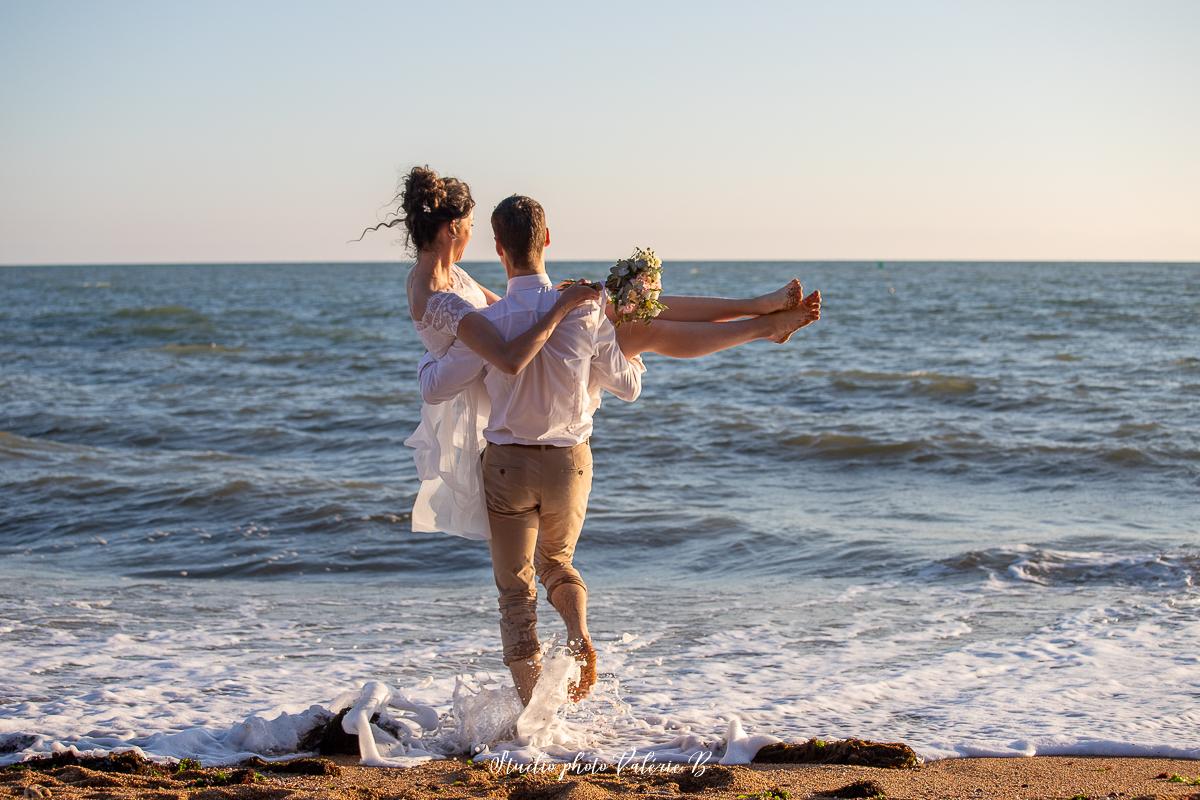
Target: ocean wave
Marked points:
173	312
853	447
212	348
337	334
956	451
758	554
157	322
1129	429
14	445
1128	456
1027	564
918	382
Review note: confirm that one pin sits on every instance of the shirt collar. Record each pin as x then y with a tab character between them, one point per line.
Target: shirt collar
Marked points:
524	282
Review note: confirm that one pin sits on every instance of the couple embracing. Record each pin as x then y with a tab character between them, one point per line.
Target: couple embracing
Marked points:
510	385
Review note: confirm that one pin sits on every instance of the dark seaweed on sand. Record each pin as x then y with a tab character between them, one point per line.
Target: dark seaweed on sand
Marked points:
855	752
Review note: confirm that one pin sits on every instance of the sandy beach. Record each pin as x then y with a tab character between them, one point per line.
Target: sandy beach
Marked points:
341	777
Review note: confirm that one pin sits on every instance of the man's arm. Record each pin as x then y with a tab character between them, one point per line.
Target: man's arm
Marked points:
610	369
443	378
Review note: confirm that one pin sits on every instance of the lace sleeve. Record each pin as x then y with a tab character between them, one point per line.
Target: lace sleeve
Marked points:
444	310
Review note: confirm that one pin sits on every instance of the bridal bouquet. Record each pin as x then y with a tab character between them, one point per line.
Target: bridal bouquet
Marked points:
634	285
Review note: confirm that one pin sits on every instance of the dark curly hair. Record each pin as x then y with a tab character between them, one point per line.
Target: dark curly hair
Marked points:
427	200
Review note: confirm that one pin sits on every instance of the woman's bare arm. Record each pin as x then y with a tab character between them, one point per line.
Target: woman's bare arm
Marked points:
478	333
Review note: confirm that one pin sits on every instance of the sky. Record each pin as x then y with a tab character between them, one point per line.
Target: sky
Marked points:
217	131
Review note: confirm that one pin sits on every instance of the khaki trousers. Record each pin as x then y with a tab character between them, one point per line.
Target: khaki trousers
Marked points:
536	501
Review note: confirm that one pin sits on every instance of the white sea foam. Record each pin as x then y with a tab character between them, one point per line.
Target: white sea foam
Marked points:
400	738
221	673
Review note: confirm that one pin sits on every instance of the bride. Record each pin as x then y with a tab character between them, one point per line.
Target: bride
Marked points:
438	215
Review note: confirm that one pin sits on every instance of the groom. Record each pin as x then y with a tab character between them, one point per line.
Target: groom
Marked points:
537	466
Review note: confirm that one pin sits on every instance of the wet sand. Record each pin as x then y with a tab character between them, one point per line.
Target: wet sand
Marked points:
340	778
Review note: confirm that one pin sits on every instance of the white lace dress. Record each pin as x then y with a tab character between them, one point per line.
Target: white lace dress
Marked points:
447	443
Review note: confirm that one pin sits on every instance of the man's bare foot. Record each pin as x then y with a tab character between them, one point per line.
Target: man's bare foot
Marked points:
784	298
585	654
808	312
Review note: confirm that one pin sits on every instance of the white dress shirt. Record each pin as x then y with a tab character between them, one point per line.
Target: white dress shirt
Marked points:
553	399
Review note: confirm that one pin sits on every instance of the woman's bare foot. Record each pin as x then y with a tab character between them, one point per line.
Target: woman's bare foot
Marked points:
792	320
585	654
784	298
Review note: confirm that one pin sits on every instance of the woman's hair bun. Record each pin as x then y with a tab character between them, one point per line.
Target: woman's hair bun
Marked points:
424	191
428	202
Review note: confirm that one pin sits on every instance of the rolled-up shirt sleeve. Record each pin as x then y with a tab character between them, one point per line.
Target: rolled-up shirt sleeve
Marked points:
620	376
443	378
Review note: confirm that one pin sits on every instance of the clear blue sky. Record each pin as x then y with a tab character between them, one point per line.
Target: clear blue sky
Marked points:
215	131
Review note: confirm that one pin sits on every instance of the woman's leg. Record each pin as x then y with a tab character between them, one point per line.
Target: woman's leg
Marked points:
681	308
679	339
718	309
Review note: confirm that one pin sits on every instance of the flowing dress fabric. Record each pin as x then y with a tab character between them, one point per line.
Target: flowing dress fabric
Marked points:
448	442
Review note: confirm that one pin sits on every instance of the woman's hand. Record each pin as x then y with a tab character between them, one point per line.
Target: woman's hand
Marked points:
578	293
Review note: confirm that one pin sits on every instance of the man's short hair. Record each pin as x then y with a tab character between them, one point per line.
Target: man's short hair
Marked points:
519	223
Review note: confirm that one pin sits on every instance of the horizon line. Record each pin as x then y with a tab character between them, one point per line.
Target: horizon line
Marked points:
599	260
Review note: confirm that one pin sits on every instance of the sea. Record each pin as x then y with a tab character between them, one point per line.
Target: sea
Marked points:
961	511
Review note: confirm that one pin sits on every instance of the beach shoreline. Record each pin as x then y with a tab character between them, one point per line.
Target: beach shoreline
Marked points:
340	777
